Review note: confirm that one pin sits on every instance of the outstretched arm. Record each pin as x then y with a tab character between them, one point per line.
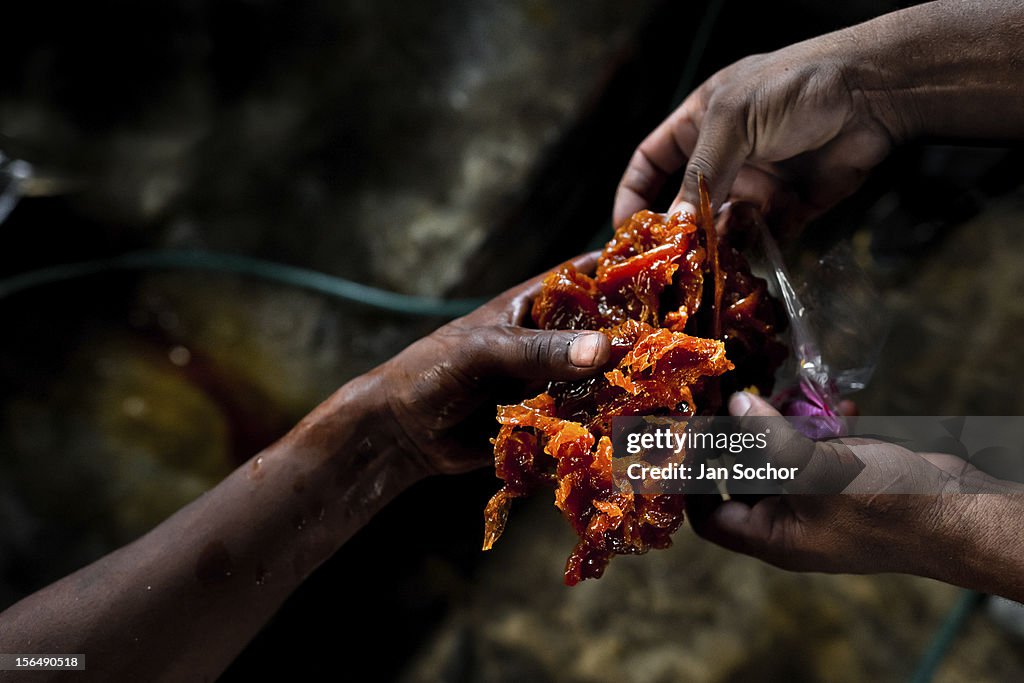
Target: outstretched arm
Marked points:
183	600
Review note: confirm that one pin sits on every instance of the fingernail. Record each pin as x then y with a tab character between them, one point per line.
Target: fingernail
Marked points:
684	207
584	349
739	403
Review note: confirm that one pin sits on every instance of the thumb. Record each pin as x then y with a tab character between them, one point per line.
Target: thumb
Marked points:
823	467
785	445
541	354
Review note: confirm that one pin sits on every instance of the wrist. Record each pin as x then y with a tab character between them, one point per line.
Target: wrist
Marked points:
981	548
881	90
995	560
356	426
940	69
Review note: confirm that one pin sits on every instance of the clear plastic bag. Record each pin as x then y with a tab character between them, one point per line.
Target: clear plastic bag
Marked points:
838	325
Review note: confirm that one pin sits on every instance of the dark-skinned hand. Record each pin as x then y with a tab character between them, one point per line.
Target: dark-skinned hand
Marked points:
868	506
441	392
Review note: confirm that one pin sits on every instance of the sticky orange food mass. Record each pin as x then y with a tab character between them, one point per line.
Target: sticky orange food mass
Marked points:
686	329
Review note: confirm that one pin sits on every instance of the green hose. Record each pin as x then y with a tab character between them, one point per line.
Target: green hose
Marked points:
938	648
337	287
330	285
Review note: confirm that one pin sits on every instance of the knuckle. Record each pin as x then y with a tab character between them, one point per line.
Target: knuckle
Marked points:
475	347
638	160
635	181
700	166
642	176
540	349
730	102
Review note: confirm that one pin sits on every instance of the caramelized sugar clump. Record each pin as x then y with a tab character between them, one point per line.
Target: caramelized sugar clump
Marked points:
685	331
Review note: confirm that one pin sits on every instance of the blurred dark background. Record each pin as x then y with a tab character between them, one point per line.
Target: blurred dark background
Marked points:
442	149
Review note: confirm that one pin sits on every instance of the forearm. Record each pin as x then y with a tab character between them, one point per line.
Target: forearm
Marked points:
182	601
949	69
980	544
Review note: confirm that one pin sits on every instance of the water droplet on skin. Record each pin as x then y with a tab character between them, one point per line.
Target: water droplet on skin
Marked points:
149	588
320	513
261	574
300	523
256	472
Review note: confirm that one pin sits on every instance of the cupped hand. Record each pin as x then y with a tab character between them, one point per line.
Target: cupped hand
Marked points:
441	392
857	506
